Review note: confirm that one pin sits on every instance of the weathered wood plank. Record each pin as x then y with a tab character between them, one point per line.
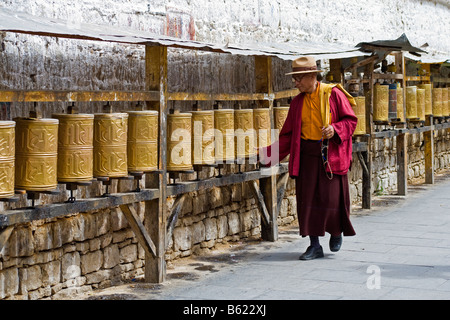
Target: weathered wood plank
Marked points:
11	217
76	96
428	137
138	228
155	211
173	218
260	202
4	236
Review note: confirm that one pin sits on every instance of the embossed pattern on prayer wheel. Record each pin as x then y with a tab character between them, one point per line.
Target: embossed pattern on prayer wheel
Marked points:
36	154
392	101
75	147
142	142
421	104
7	156
244	133
400	110
411	102
279	116
203	137
428	95
179	142
261	124
445	107
360	112
110	145
437	102
224	138
381	103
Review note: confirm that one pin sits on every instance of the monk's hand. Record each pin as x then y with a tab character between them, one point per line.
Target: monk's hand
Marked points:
328	132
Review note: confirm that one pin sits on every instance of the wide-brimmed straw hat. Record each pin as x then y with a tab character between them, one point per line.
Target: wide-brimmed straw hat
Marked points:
305	64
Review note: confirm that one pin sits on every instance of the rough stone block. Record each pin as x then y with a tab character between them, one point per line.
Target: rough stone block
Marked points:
51	273
70	265
128	254
9	282
182	238
91	262
111	256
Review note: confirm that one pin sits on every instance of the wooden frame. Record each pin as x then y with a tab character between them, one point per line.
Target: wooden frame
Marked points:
158	225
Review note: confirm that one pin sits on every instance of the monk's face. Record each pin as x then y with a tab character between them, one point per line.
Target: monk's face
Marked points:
305	82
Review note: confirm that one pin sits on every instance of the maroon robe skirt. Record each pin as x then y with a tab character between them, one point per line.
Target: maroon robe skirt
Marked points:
323	205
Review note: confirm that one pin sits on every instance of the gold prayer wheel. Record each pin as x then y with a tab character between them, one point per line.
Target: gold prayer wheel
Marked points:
36	154
75	147
428	96
421	104
411	102
445	107
142	141
360	112
179	142
437	102
400	110
110	145
224	135
279	116
7	156
203	141
381	102
261	124
244	133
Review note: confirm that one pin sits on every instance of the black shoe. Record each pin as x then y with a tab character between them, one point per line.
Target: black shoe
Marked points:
312	253
335	243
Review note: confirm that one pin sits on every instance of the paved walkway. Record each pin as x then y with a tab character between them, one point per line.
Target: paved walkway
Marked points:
401	251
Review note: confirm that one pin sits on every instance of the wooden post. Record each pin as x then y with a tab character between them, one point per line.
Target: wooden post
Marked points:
268	186
429	150
155	210
367	155
402	144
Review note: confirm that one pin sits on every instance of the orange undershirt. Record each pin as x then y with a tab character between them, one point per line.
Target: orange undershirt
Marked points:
311	117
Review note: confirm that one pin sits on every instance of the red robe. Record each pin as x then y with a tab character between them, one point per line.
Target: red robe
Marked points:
343	120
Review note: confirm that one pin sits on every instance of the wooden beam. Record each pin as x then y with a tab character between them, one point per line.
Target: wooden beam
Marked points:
4	236
281	188
402	164
268	185
402	147
173	218
201	96
192	186
266	219
75	96
55	210
367	155
156	211
429	151
138	228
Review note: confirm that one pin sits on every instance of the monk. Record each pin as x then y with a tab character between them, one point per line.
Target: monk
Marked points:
317	134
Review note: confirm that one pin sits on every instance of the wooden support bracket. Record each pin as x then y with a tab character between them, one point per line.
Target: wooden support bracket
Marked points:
4	236
281	188
138	228
173	218
260	202
428	137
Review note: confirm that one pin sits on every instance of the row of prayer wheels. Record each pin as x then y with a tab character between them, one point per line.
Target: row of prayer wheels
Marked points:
219	136
37	153
421	100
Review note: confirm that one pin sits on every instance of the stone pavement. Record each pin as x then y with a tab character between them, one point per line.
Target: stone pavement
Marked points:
401	251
